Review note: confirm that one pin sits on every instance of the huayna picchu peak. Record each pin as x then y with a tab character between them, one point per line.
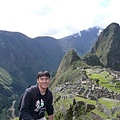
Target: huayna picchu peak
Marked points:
107	47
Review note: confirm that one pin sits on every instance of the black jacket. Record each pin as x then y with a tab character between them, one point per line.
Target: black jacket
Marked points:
34	104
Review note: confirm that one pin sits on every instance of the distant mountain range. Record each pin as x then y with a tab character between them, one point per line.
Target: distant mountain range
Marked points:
81	42
23	57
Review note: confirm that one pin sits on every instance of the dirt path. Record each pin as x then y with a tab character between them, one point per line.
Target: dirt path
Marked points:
11	110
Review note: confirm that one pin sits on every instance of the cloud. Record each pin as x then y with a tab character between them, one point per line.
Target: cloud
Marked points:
56	18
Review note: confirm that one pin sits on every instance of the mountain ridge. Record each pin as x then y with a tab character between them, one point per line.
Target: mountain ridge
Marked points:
23	57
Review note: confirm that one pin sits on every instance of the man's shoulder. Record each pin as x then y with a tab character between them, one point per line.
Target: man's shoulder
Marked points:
32	88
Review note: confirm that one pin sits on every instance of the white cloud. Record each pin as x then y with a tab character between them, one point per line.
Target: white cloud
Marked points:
56	18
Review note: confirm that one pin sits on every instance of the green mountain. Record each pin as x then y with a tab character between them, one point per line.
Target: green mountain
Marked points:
67	60
107	47
6	92
68	68
23	57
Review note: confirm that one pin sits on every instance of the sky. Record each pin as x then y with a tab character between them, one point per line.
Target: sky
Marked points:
56	18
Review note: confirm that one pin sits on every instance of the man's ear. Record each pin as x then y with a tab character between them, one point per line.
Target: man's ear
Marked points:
37	80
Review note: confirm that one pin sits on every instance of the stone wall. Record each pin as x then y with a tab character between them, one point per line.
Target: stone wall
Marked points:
105	110
93	116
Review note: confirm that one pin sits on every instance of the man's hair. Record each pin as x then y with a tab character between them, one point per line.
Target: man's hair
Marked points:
43	73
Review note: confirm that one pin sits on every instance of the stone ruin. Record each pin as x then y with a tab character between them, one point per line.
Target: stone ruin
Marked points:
93	92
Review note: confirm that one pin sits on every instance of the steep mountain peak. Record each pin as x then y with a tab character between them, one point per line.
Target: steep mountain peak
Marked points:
69	58
81	42
112	28
113	25
107	46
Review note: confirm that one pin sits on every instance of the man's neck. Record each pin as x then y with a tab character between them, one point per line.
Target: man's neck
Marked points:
42	91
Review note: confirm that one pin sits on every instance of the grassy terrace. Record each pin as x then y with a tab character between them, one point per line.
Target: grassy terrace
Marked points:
85	100
69	101
97	112
104	79
108	102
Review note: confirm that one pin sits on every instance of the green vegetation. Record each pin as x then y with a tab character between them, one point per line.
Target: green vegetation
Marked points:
16	118
85	100
7	95
101	76
101	114
108	103
104	79
3	115
5	79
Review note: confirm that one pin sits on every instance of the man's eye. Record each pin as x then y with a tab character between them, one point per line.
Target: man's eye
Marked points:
44	78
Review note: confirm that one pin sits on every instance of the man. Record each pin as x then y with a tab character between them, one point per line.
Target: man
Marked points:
37	99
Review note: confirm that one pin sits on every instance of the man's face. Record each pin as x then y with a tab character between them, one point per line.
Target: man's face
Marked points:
43	82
